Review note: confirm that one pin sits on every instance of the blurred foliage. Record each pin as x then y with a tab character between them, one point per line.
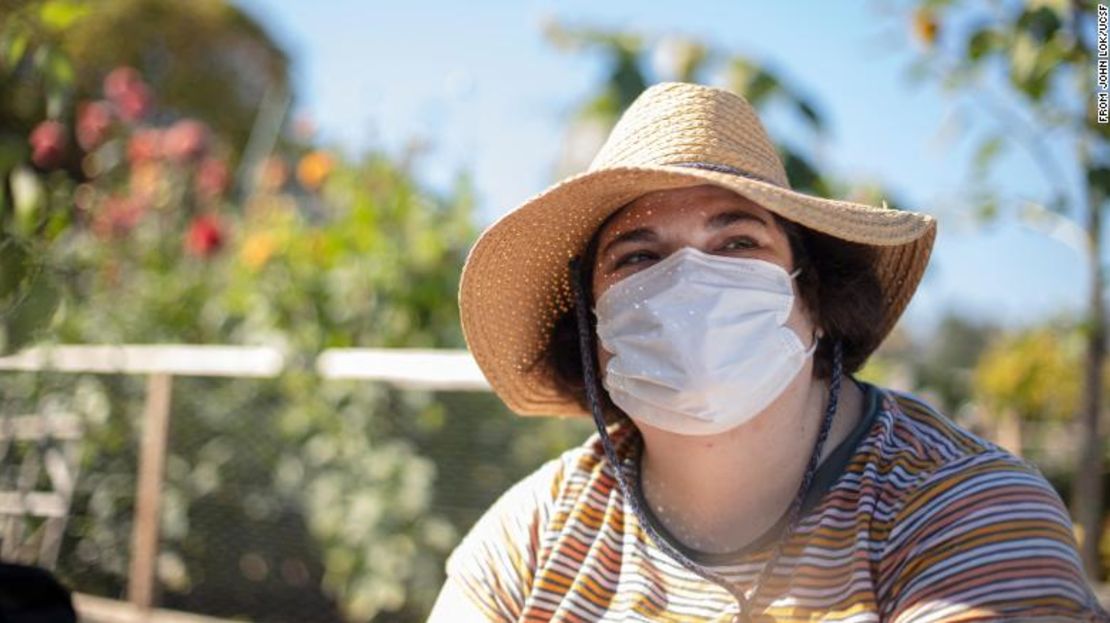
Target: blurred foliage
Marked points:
635	60
1034	373
945	365
69	83
1028	66
204	59
1043	51
122	223
1033	379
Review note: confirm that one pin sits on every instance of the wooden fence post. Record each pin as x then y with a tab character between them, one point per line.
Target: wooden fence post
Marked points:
152	462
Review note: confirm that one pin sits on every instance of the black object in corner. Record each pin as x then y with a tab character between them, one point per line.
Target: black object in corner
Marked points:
33	595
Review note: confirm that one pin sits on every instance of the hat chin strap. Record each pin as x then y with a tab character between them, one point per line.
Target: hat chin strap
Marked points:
586	349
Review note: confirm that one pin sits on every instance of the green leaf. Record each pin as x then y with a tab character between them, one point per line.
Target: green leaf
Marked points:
987	210
1099	179
22	324
1024	57
15	46
57	15
762	87
801	173
740	75
983	42
627	80
987	152
1041	23
14	265
809	112
61	70
29	198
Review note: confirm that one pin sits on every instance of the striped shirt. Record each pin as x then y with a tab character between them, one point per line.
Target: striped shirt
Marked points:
910	518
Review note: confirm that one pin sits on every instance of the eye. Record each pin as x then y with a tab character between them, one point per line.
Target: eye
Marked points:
625	260
750	243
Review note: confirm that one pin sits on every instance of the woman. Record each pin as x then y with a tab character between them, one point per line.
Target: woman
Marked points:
705	315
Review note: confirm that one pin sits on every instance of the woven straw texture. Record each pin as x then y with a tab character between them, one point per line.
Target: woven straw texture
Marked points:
515	282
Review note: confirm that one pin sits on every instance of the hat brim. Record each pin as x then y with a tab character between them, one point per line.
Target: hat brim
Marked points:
515	282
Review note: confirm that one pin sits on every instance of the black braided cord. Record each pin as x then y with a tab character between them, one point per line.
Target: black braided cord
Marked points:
585	341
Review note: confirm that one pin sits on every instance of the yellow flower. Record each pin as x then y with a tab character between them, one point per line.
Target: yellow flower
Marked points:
257	249
313	169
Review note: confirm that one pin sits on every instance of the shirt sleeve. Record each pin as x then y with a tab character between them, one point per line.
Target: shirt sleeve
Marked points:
985	538
495	562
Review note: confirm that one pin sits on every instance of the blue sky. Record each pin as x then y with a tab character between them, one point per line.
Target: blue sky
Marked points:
491	96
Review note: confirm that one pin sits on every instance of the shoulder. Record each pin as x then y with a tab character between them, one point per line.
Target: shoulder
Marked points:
495	563
578	475
975	526
949	468
923	436
913	450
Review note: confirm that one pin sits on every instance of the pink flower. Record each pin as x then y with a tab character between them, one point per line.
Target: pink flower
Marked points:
186	140
205	236
211	179
93	121
117	216
125	89
48	143
145	145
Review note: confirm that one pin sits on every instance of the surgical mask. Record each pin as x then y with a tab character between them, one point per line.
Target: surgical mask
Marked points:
699	341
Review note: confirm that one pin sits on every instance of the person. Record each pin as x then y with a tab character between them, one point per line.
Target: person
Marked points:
711	320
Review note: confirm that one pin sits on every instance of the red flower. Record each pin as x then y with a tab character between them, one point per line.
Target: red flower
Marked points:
93	121
124	87
211	178
144	145
48	142
186	140
205	236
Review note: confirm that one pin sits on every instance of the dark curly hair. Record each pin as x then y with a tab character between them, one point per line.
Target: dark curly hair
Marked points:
837	284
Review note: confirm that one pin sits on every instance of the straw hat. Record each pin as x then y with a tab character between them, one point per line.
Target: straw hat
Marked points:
516	282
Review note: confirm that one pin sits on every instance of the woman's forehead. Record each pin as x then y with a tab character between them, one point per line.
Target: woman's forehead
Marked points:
692	202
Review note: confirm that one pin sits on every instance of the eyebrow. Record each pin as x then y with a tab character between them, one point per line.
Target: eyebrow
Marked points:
638	234
724	219
715	222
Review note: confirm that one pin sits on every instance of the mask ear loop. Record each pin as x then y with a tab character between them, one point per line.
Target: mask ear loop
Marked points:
817	333
794	512
813	346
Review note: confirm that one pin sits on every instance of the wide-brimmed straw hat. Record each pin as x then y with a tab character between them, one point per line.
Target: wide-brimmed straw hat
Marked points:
516	281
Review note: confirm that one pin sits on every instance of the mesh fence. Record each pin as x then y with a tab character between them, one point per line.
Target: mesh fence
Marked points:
287	499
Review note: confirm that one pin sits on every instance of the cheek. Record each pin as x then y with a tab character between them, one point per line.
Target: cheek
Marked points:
799	320
599	286
603	357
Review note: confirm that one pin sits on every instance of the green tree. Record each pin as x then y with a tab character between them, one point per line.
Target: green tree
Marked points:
206	60
1029	66
324	252
946	363
1032	376
635	60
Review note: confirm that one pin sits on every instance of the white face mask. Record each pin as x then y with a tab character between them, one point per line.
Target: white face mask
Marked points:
699	341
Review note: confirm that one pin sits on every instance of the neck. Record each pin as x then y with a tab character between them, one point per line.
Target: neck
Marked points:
720	492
